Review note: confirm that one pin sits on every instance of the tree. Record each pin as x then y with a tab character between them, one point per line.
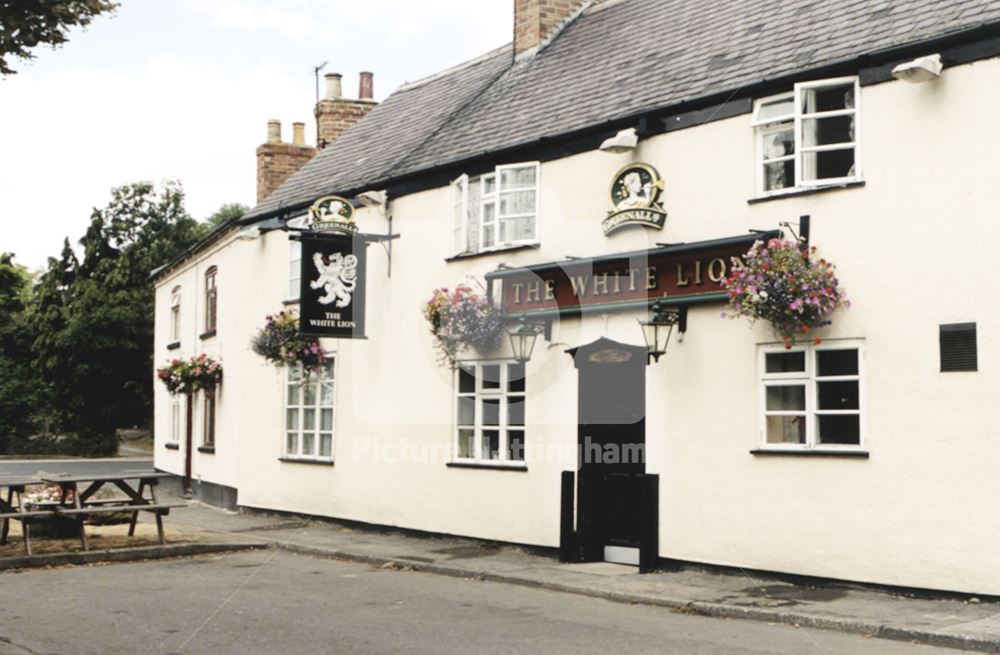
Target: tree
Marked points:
25	24
227	212
92	317
16	388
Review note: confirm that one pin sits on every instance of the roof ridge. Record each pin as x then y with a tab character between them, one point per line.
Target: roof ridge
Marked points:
406	86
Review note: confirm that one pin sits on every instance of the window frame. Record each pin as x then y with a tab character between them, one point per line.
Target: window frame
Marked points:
211	299
461	205
174	432
795	120
809	379
503	395
295	262
208	418
175	315
318	407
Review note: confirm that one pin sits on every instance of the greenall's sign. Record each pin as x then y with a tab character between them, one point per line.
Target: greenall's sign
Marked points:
635	194
333	214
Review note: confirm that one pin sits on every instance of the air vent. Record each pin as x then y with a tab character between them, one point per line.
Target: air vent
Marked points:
958	347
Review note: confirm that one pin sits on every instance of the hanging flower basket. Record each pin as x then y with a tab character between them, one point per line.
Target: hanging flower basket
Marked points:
280	343
190	375
777	282
461	319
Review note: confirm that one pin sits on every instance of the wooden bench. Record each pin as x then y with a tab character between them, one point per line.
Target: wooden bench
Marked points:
160	509
25	519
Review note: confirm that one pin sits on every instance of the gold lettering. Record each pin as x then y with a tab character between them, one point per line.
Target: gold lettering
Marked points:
602	283
550	289
517	292
534	292
717	270
632	272
681	280
697	272
651	281
618	283
579	283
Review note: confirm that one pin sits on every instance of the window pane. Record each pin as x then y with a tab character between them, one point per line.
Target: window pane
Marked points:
293	394
517	202
785	362
466	411
515	411
292	443
491	444
775	109
466	444
491	376
517	178
489	213
326	420
786	429
515	445
831	98
491	411
291	419
309	419
294	374
308	443
786	399
838	395
466	381
309	393
326	394
779	175
325	445
839	429
836	362
489	184
828	164
328	370
515	378
778	144
827	131
489	236
517	229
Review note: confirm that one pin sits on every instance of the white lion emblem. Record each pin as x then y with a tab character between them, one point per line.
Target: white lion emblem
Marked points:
338	276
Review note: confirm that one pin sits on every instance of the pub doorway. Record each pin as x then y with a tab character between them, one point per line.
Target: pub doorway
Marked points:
615	516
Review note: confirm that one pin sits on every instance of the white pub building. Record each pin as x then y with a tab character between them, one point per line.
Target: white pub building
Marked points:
594	180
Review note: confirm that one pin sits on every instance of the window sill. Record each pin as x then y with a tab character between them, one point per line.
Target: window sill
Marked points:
207	335
494	251
172	446
290	301
775	452
207	449
523	468
174	345
805	191
303	460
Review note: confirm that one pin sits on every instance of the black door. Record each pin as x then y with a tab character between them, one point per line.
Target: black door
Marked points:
616	500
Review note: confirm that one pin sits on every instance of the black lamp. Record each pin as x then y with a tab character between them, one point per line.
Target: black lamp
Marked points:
522	338
657	327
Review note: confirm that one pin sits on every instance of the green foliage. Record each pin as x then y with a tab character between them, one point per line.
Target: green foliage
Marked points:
25	24
227	212
91	317
16	389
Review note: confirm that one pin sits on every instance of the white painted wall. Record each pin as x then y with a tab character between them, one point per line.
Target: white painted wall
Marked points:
913	249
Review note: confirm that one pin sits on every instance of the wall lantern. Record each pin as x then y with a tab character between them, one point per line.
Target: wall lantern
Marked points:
921	69
657	328
522	338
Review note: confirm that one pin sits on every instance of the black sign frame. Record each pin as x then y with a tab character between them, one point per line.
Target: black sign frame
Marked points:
330	278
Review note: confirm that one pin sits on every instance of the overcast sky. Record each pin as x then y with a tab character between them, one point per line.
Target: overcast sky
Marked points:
182	90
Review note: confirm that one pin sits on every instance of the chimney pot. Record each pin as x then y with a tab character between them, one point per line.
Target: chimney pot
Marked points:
298	134
366	90
333	89
274	131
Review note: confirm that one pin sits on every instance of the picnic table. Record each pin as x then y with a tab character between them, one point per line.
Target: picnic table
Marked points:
79	505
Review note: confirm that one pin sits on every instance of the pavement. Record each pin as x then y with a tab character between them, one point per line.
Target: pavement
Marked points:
269	602
75	466
951	623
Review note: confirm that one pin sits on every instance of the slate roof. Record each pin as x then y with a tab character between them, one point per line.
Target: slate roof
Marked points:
619	58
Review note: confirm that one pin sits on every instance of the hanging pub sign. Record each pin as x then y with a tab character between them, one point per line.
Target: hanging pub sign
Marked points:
635	194
332	295
683	274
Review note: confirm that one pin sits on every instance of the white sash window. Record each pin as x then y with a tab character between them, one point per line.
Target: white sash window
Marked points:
496	210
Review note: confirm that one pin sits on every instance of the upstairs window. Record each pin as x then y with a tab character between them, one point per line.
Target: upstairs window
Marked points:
808	138
295	261
211	300
175	315
496	210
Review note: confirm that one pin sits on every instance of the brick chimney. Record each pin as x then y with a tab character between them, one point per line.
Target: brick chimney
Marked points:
276	161
334	113
537	20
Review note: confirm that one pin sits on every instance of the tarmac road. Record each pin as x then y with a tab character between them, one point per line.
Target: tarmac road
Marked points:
75	466
276	602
